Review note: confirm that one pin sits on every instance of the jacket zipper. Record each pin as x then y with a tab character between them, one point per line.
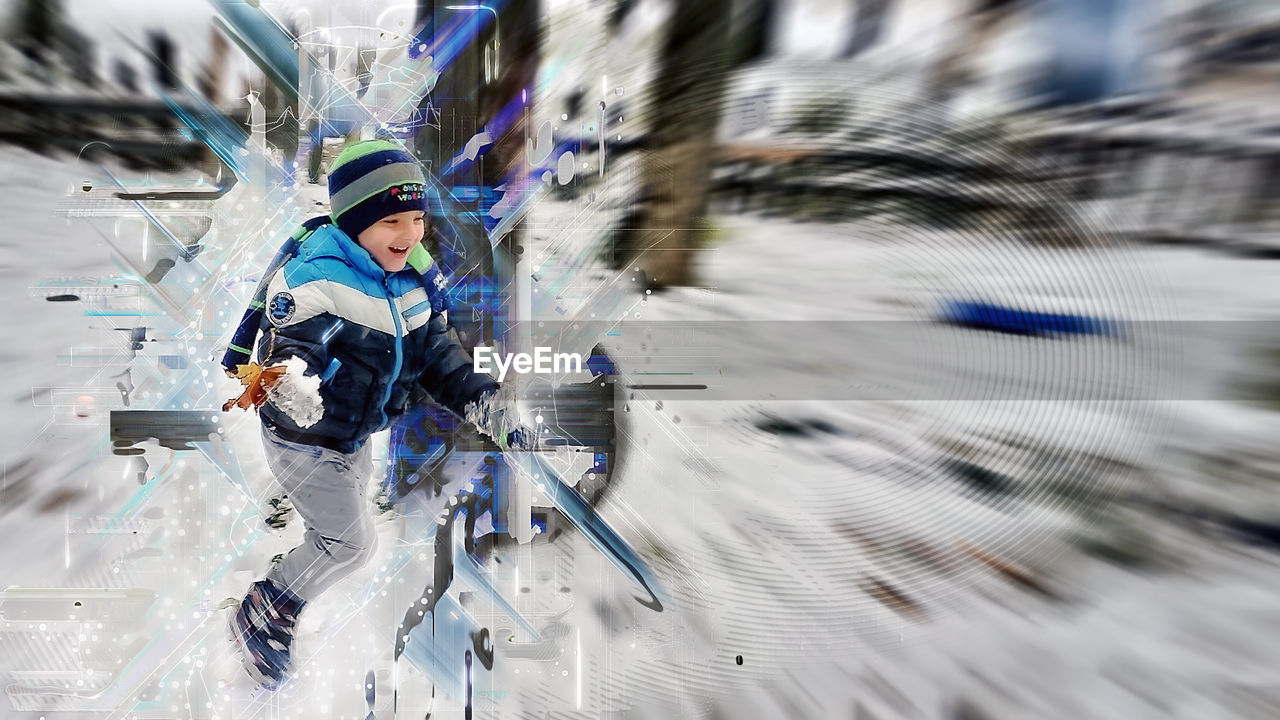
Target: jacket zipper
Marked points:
399	341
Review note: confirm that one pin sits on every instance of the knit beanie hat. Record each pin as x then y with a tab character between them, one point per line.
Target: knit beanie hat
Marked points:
370	180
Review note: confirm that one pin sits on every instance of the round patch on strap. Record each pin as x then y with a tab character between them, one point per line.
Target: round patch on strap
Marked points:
281	308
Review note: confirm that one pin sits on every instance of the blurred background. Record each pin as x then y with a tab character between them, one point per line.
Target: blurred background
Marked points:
963	315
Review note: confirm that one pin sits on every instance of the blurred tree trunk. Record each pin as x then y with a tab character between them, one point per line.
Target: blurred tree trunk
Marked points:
210	82
683	117
469	100
215	69
164	59
868	23
752	39
37	26
490	73
955	67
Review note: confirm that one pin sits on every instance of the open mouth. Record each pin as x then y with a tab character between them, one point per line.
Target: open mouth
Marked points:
399	250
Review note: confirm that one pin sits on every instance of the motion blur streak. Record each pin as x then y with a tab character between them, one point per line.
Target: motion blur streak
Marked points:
930	355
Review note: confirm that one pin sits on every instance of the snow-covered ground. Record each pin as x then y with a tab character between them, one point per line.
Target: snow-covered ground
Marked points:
839	548
842	531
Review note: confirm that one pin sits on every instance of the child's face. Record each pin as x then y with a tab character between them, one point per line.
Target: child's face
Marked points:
390	239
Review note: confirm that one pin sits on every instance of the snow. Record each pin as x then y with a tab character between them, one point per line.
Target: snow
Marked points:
497	413
824	538
297	394
782	518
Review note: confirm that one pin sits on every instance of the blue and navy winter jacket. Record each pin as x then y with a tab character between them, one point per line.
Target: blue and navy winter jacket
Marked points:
371	334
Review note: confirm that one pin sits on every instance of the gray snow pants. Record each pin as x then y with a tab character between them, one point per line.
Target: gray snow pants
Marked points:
327	488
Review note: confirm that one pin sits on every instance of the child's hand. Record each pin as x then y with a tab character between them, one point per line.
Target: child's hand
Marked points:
256	381
520	438
496	414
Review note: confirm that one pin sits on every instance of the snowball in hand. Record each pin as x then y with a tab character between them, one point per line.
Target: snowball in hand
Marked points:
297	395
498	415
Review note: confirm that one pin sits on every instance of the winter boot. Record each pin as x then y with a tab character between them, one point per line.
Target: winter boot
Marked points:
262	630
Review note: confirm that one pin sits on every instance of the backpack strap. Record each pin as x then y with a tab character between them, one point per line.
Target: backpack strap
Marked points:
240	349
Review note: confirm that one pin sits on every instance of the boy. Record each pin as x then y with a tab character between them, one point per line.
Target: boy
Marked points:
348	330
